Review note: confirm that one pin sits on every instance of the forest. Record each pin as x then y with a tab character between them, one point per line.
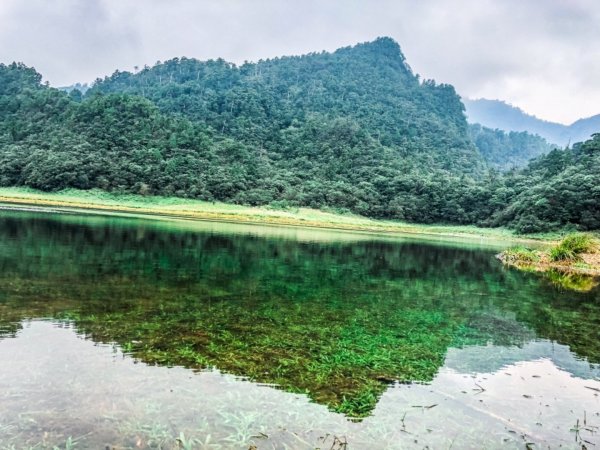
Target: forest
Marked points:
354	130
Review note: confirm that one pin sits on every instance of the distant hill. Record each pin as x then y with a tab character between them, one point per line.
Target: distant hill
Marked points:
506	150
501	115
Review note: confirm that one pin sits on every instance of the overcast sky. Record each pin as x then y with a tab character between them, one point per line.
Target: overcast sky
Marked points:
540	55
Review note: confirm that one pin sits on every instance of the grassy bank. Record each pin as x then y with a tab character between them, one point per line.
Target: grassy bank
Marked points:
98	200
574	262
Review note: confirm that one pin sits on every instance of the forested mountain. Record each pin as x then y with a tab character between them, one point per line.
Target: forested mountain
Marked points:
557	189
498	114
507	150
370	86
354	130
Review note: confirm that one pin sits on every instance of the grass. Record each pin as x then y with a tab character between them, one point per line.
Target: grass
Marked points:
522	254
572	246
99	200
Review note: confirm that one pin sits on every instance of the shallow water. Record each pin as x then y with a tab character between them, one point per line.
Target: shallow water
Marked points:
133	333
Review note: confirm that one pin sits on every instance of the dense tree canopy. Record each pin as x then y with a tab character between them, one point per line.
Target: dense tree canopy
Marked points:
370	85
354	130
555	190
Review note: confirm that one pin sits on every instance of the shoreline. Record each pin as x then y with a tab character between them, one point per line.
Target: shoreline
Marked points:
93	202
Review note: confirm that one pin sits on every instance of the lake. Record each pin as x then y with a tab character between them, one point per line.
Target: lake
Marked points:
125	332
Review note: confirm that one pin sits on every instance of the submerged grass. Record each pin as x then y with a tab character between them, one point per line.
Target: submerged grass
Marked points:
337	322
572	281
342	357
340	351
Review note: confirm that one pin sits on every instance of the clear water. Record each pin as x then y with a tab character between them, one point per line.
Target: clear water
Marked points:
132	333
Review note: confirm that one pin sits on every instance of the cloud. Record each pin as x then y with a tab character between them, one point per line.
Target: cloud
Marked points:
66	40
541	56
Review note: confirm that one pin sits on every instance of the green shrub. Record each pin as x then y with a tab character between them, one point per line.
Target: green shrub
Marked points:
572	246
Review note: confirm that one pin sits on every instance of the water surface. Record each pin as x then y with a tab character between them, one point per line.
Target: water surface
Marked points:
133	333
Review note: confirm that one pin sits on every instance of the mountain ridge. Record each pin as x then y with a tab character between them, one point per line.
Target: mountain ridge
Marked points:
498	114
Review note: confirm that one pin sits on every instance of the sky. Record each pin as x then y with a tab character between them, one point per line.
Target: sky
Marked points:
540	55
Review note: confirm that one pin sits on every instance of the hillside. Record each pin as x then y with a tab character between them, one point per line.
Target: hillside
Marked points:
557	190
498	114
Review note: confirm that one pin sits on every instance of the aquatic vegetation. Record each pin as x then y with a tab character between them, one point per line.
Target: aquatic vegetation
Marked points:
572	281
344	357
338	322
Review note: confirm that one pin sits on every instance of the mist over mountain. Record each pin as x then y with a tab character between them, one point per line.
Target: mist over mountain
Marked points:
498	114
506	150
83	88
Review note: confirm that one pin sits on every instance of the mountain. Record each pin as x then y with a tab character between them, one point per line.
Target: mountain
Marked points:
370	85
498	114
507	150
354	130
582	129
